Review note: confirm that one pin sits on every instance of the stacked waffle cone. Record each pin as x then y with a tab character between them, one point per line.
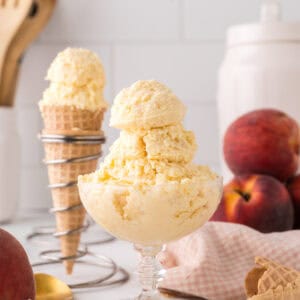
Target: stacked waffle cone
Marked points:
72	106
72	219
272	281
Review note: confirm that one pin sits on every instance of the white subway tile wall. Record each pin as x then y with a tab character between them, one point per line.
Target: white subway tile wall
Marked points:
180	42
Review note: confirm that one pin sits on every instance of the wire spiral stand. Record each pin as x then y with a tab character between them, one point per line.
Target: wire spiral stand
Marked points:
40	232
114	275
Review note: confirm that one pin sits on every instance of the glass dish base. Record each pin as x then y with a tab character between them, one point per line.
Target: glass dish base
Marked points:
150	272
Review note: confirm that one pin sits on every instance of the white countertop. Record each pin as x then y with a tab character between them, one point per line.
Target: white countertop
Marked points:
121	252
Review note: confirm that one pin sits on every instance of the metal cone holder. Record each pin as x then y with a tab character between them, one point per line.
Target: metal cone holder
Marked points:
113	274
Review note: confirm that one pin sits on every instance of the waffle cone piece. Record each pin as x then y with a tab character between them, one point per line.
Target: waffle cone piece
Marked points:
69	121
272	281
67	117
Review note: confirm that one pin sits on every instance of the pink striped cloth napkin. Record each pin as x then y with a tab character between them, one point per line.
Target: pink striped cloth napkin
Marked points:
213	261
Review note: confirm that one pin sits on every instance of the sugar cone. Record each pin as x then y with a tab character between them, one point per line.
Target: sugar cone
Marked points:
69	172
272	281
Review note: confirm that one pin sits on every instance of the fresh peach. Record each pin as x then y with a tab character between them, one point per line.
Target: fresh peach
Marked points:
294	189
16	276
264	141
259	201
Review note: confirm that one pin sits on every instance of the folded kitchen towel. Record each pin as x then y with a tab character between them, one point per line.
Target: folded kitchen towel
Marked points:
214	261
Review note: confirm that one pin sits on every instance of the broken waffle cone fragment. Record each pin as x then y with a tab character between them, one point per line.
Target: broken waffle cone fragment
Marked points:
270	280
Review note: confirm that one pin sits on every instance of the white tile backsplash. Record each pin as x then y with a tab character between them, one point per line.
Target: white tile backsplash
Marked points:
179	42
190	70
111	20
202	120
290	10
35	195
208	19
29	125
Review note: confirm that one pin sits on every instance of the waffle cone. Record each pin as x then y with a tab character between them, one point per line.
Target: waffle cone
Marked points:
58	123
272	281
70	118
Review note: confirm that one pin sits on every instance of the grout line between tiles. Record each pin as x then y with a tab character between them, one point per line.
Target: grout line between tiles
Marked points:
181	20
137	42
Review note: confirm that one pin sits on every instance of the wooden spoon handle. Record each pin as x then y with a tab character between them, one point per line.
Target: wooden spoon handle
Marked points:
9	82
28	31
5	42
12	18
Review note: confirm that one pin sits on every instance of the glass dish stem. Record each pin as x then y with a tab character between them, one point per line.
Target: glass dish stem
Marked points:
150	272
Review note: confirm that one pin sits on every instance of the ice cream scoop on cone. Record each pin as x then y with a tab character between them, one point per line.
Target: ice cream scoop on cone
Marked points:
72	108
272	281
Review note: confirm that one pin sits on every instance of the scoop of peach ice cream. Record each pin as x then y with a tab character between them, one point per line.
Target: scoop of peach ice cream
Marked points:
172	143
146	104
76	79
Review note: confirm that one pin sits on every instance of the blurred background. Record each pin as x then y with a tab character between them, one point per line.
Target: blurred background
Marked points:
179	42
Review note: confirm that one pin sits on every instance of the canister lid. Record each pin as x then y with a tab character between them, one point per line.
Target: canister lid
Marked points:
269	29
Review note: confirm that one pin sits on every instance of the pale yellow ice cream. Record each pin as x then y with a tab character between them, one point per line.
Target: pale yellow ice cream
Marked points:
151	214
148	190
146	104
76	79
171	143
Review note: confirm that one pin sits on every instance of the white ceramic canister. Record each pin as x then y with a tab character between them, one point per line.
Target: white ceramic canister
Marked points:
261	69
10	166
